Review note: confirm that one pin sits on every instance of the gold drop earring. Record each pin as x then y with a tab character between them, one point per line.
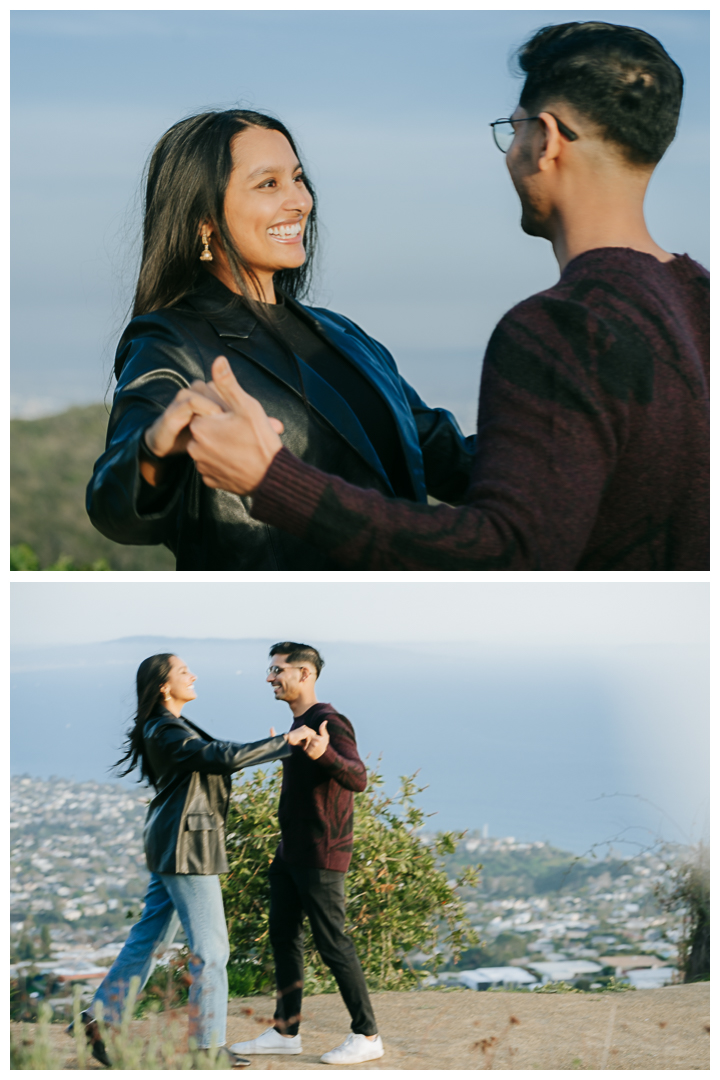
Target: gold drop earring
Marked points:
206	253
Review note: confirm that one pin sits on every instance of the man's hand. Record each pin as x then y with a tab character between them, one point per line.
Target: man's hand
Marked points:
233	450
170	433
316	746
299	736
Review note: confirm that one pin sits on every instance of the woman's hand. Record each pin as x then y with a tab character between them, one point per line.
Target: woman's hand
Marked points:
298	736
233	451
170	433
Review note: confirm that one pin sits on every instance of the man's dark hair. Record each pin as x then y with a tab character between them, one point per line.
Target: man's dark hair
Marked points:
299	654
618	76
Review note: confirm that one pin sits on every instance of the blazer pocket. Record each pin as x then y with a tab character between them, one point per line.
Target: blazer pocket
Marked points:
200	822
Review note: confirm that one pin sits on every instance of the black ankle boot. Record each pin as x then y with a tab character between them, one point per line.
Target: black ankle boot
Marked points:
92	1034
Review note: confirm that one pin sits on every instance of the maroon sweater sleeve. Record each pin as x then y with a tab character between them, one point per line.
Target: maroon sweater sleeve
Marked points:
591	449
341	759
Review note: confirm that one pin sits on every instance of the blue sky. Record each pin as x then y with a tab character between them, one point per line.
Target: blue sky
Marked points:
479	615
421	242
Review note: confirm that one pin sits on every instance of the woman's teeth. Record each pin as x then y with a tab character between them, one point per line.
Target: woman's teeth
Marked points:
285	230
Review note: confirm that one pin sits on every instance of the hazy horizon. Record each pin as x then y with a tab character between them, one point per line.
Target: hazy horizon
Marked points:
571	747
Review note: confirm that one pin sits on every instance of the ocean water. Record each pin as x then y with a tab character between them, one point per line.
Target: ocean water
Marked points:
563	746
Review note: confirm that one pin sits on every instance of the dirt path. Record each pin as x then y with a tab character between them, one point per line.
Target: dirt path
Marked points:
463	1029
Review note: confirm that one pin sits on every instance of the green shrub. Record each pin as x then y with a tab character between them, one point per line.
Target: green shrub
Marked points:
398	900
22	557
560	987
690	894
614	985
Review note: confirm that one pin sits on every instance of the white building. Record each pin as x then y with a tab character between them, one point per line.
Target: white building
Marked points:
484	978
564	970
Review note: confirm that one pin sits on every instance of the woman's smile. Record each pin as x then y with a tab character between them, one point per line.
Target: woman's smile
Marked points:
286	232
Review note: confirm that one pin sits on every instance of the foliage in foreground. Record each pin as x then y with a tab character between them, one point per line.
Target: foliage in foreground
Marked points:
560	987
22	557
162	1048
399	902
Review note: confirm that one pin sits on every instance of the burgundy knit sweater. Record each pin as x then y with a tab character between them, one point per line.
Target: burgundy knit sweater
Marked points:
592	446
316	799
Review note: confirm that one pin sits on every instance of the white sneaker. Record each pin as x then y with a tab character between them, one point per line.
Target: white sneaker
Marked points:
270	1042
355	1049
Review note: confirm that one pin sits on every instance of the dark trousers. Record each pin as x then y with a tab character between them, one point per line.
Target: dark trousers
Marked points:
296	891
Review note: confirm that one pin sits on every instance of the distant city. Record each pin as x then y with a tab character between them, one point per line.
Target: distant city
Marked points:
545	916
78	871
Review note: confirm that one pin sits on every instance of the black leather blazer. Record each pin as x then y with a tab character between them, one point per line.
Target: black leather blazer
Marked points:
184	829
209	529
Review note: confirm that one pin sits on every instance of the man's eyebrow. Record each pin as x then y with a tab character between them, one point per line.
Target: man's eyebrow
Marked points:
267	170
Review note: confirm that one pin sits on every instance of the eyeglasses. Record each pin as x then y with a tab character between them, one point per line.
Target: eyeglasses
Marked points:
504	131
275	670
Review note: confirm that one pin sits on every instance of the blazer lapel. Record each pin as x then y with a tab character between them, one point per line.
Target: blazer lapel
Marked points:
235	324
377	366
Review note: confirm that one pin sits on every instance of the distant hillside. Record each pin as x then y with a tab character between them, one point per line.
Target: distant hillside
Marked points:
51	463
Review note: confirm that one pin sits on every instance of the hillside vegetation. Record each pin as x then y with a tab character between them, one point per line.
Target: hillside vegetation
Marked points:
51	463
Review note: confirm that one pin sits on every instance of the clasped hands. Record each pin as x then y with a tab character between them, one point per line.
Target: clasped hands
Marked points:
314	743
225	431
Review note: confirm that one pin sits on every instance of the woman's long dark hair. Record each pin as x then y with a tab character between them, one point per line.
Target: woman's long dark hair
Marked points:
186	181
151	675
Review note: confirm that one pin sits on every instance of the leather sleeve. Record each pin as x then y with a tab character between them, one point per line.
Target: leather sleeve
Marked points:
155	360
447	453
177	749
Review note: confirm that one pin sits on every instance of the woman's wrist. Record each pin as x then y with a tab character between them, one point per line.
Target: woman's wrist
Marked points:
146	450
152	465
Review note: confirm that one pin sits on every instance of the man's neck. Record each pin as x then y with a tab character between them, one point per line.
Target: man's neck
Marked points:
607	214
302	704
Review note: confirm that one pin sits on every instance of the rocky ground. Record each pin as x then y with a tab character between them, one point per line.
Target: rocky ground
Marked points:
461	1029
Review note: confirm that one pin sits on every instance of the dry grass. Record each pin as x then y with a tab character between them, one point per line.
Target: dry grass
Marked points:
462	1029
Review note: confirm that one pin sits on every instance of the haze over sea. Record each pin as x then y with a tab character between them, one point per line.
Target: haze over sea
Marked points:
524	740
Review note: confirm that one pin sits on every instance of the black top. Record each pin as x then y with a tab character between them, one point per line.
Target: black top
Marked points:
347	380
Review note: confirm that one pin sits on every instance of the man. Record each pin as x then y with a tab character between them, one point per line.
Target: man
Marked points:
307	875
592	444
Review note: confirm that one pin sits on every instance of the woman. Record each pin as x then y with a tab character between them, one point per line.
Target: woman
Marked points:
228	243
184	839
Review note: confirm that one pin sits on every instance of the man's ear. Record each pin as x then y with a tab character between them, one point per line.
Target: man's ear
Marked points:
552	143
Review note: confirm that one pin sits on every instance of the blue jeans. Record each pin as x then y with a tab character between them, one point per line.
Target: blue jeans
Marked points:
195	900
